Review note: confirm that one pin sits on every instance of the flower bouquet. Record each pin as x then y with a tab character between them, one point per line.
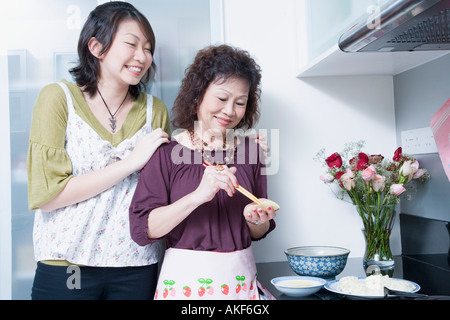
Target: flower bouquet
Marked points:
374	185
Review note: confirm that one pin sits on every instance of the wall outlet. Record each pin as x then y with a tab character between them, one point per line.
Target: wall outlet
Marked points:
418	141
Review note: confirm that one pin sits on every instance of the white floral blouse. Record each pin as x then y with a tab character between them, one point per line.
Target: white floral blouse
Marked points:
94	232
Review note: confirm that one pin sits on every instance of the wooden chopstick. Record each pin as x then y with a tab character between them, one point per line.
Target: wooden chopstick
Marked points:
248	194
241	189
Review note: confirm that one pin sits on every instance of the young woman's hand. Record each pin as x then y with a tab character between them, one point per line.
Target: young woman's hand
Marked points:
262	141
88	185
146	147
214	180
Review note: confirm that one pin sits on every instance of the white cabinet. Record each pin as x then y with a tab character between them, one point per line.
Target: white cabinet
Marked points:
334	62
325	21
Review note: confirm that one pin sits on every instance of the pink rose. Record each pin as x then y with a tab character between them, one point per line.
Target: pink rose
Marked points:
378	183
347	180
397	189
418	174
406	169
348	183
409	169
326	178
369	173
415	165
349	172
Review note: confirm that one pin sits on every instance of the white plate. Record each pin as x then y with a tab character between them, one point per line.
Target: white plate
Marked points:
333	286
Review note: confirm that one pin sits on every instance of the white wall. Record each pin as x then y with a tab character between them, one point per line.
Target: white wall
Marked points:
310	114
416	103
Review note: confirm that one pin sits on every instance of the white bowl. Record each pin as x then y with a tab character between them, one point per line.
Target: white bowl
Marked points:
298	286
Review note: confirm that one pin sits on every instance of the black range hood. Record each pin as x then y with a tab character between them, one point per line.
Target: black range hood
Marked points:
401	25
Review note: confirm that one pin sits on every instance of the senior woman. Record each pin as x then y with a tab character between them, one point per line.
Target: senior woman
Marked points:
207	226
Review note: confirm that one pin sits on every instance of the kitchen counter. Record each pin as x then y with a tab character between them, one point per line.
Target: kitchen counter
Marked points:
431	272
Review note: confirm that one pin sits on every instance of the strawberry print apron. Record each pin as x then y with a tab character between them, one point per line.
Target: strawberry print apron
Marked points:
191	274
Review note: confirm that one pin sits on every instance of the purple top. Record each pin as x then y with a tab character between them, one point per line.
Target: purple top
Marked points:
218	225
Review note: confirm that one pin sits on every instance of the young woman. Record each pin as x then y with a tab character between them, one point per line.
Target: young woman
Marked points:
186	193
88	141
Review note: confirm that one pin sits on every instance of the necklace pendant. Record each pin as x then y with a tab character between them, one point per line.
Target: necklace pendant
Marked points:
113	124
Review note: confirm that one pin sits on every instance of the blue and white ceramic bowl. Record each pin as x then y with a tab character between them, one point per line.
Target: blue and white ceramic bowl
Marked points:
296	286
317	261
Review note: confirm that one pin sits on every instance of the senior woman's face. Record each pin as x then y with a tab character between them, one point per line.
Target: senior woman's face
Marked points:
223	105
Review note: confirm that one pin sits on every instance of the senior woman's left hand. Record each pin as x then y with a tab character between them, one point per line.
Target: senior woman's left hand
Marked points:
256	215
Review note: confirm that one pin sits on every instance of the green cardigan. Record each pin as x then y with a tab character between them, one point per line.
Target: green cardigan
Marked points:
49	166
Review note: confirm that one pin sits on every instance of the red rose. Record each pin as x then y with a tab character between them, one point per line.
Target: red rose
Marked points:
375	158
338	175
363	162
334	161
397	154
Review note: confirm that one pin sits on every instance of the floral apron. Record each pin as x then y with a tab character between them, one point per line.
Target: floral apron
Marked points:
209	275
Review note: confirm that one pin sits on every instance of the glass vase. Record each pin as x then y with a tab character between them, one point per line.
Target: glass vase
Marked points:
378	222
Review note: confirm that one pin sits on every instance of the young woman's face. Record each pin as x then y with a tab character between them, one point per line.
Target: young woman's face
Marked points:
223	105
129	57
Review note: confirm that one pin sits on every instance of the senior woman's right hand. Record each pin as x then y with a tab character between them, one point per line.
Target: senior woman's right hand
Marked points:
214	180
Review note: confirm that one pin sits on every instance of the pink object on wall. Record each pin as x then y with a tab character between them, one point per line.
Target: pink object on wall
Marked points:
440	125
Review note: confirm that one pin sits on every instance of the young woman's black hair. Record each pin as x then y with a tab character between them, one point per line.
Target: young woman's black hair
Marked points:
102	24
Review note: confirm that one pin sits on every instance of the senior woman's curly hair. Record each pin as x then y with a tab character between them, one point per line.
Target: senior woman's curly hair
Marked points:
217	64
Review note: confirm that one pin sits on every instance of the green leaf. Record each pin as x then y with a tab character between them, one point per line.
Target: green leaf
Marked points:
201	280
